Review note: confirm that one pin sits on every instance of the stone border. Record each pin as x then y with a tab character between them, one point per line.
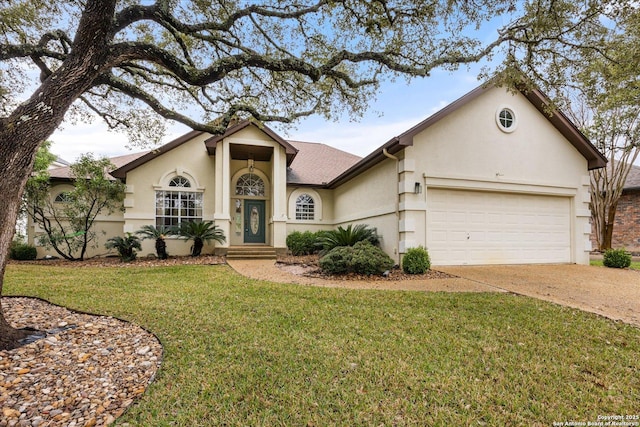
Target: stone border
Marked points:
87	375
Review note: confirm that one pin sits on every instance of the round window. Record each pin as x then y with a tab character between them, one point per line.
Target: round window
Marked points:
506	119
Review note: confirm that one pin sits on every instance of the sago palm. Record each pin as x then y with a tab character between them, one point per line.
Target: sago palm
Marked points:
125	246
200	232
349	236
152	232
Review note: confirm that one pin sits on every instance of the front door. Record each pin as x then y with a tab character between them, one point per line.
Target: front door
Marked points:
254	221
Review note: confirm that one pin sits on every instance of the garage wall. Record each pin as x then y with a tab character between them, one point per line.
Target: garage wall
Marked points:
466	150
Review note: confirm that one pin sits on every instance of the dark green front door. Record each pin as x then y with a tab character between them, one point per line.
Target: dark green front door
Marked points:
254	221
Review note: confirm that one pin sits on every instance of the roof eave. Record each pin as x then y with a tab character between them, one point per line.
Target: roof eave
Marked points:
121	172
290	150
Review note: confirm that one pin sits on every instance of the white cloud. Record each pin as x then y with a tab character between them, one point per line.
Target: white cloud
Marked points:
360	138
73	140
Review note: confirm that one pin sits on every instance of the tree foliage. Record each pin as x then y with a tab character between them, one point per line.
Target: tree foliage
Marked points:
602	95
68	221
203	63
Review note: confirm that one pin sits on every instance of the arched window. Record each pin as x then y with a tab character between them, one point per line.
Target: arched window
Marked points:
63	197
250	185
305	207
176	206
180	181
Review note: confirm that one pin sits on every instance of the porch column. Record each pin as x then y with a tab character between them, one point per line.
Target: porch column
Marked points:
222	216
279	189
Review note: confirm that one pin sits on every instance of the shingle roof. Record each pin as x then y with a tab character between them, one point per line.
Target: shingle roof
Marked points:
318	164
633	179
65	171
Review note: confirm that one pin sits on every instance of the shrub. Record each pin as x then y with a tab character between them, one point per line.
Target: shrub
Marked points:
368	259
416	261
337	260
199	232
22	252
302	243
349	236
125	246
617	258
362	258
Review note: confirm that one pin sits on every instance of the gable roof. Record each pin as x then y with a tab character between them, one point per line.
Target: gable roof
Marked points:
594	158
121	171
64	173
212	142
318	164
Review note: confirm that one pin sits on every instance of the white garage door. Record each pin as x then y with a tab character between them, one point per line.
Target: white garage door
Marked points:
476	227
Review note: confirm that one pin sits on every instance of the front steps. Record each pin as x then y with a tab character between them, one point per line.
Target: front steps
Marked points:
251	252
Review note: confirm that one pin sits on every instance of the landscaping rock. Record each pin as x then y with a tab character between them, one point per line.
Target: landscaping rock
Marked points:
86	373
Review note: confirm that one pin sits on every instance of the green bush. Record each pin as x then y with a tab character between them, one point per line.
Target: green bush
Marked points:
22	251
362	258
349	236
368	259
125	246
302	243
416	261
337	260
617	258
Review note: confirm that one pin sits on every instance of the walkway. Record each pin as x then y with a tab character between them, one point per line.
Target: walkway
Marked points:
267	270
608	292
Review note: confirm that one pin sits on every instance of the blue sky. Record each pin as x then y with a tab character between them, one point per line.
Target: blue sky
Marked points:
398	106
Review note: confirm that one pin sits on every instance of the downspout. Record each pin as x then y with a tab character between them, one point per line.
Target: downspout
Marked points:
392	157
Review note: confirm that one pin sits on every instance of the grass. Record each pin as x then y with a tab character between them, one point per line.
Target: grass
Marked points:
245	352
635	265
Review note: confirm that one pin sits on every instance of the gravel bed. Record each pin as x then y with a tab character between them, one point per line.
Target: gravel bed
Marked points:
86	371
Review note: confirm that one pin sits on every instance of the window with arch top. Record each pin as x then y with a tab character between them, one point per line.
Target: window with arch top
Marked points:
64	197
250	184
176	206
305	207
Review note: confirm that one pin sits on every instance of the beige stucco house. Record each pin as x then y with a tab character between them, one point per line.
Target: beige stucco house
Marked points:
490	179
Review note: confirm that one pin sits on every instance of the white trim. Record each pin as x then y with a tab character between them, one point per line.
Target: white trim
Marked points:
514	124
163	182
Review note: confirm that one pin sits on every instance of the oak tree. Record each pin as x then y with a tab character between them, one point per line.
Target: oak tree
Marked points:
600	90
137	63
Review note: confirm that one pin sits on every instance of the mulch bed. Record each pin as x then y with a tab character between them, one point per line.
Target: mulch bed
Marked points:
310	268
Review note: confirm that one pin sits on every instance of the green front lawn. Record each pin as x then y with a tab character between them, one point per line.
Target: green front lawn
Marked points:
245	352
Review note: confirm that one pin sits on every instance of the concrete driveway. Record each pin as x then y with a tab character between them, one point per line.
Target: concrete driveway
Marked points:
610	292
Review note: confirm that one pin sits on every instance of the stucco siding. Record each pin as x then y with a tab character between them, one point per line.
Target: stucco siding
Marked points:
467	150
105	228
371	198
189	160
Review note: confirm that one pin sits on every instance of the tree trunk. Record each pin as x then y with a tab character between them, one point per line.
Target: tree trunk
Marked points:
607	232
161	248
197	246
33	121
